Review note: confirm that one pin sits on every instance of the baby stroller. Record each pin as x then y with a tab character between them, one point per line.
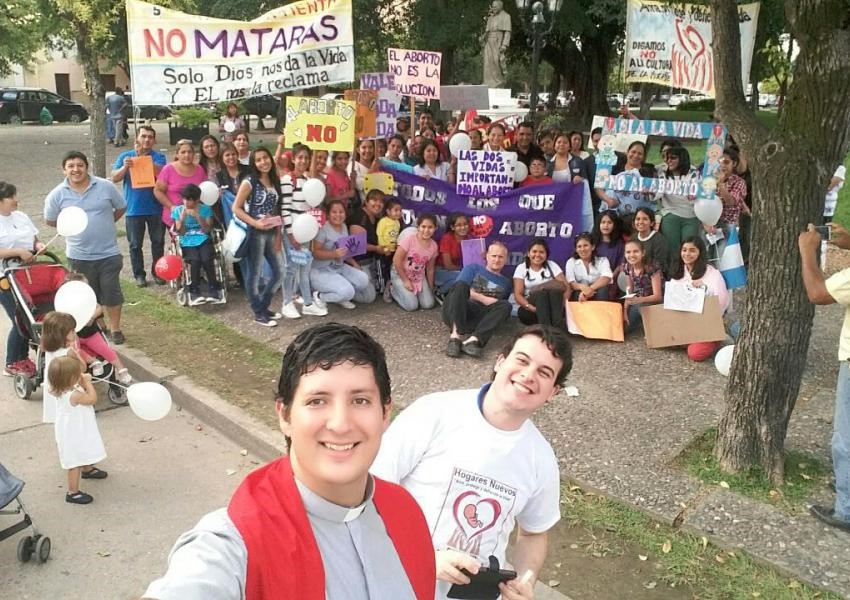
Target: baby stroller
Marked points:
33	286
10	489
182	283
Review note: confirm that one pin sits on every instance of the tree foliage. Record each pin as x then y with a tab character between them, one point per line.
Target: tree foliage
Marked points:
21	34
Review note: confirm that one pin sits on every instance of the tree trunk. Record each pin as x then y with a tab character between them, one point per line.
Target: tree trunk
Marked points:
586	71
97	112
787	163
647	91
754	95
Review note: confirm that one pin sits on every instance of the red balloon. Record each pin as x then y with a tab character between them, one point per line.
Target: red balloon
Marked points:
169	267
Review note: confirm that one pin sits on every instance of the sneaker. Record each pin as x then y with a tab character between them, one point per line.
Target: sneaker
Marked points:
13	369
215	297
265	321
317	300
298	300
290	312
347	304
124	377
827	516
314	310
96	368
159	280
78	498
118	337
196	299
273	315
141	282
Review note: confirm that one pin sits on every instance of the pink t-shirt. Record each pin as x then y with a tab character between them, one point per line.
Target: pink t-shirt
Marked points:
175	183
337	183
417	259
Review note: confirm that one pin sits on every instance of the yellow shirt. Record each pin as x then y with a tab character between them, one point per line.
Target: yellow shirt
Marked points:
838	287
388	232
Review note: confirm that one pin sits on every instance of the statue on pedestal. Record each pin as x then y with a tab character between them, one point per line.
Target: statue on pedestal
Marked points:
496	38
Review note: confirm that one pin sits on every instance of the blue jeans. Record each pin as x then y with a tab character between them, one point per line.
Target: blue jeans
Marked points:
136	238
296	276
260	249
17	347
635	319
841	443
444	279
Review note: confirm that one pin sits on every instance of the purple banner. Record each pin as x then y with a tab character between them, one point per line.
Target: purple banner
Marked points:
552	212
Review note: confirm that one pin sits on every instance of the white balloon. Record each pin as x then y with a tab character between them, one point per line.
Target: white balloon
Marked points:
623	282
77	299
209	193
708	211
71	221
304	228
723	359
405	233
459	142
149	401
229	126
521	171
314	192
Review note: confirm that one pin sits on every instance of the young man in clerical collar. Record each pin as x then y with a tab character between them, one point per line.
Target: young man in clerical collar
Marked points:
478	466
314	524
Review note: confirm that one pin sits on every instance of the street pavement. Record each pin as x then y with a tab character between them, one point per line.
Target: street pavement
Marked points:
163	476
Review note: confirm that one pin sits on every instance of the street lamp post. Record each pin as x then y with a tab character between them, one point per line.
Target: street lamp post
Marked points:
538	32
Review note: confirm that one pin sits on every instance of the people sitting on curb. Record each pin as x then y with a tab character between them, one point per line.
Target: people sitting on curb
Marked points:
477	303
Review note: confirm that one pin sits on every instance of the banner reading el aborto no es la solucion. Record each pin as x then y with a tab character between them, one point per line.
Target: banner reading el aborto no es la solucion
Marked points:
177	58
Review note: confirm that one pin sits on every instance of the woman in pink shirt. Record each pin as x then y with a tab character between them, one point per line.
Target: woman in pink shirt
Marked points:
175	176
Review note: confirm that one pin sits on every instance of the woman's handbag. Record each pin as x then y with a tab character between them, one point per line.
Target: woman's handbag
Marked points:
235	243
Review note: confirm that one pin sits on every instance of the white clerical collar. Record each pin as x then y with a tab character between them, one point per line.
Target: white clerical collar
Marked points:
325	509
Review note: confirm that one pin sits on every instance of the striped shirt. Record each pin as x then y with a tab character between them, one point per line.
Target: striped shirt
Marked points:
293	199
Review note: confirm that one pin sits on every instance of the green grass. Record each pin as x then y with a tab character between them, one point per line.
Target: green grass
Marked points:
180	322
686	559
803	475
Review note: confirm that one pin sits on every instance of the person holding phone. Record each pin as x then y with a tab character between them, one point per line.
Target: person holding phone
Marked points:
836	289
314	524
479	468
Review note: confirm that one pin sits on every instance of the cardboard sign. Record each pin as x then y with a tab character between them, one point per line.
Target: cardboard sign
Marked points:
472	251
597	320
484	173
379	181
321	124
416	72
141	172
355	244
177	58
366	102
388	102
664	328
464	97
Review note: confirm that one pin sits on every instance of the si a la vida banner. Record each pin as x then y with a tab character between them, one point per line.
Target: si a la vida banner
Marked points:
177	58
670	44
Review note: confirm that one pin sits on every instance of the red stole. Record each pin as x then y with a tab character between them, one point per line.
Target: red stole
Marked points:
283	557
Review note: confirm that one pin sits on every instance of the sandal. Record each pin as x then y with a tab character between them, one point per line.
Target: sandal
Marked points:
95	473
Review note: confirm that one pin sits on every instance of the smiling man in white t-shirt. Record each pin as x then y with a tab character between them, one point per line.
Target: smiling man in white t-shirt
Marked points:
478	467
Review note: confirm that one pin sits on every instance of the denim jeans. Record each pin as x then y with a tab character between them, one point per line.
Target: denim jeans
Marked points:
444	279
17	347
260	249
296	276
408	300
635	318
342	283
136	238
841	443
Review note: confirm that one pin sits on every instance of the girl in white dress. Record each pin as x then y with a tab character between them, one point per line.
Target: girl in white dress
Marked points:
77	436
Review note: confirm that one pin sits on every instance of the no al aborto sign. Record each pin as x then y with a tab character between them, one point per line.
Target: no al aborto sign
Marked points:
177	58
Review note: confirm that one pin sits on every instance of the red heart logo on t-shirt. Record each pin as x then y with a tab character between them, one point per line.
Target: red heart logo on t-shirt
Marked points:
481	226
475	515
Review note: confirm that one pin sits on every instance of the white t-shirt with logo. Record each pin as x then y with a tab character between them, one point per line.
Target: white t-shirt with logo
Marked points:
533	278
473	481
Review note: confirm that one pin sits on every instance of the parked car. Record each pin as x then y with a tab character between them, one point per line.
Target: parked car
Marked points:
262	106
766	100
19	104
150	111
676	99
